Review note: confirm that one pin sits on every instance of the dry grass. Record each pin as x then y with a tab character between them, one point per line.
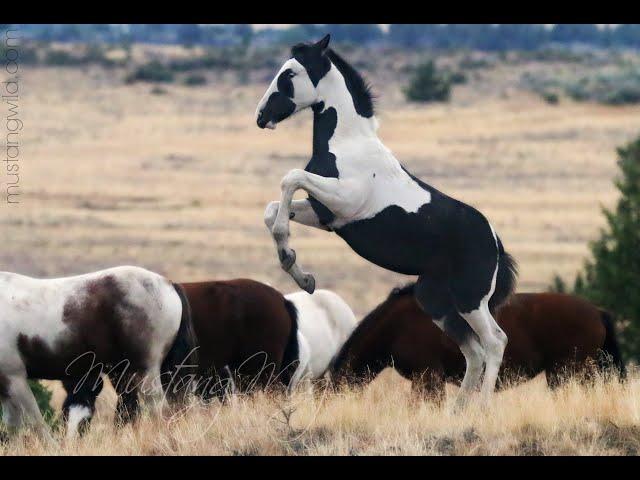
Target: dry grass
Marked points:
113	174
384	418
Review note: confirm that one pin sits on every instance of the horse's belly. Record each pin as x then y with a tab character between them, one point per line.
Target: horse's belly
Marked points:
396	240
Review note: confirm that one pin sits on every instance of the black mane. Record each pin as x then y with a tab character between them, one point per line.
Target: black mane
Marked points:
360	89
401	291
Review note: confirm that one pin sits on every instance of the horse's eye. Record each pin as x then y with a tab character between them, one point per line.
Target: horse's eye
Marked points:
291	74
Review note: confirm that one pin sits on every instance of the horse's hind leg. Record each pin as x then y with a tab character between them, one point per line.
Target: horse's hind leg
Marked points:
152	392
128	404
493	340
456	328
435	299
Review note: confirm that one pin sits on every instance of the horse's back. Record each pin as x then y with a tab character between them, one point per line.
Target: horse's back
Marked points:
122	313
235	319
326	321
556	327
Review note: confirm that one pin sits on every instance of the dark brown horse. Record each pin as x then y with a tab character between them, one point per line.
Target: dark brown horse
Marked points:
547	332
245	331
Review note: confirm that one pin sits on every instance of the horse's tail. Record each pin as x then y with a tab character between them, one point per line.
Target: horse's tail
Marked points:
291	356
505	278
184	350
610	347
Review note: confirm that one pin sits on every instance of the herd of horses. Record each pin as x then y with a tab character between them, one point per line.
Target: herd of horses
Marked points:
158	341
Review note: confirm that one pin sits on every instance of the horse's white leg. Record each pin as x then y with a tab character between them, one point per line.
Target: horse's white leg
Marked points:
24	407
151	391
472	351
493	341
10	416
338	196
78	416
301	212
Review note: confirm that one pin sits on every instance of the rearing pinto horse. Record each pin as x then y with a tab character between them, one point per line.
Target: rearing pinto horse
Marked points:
359	190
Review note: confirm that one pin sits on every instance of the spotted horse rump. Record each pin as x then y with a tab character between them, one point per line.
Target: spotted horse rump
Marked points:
120	322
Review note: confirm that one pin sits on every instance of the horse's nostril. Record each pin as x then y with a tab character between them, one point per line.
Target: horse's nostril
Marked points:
260	114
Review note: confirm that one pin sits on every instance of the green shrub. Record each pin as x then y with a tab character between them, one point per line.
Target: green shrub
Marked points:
62	58
458	78
551	98
471	63
195	80
618	87
97	55
150	72
157	90
43	397
428	85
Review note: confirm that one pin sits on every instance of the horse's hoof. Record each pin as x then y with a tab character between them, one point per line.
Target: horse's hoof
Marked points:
308	283
287	258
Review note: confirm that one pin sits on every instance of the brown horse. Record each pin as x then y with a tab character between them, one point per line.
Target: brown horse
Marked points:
547	332
245	332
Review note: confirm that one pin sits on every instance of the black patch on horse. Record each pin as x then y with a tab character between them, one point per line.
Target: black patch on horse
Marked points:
311	57
285	85
323	162
278	107
407	289
4	385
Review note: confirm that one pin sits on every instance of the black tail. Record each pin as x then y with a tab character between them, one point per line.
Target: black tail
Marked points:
291	357
610	347
183	351
505	278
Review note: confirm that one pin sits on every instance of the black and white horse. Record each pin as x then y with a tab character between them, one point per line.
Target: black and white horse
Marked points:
123	322
358	189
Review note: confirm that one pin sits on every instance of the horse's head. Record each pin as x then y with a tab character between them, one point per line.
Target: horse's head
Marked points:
294	88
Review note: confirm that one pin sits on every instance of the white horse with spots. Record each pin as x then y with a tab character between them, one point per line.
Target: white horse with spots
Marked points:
122	322
325	321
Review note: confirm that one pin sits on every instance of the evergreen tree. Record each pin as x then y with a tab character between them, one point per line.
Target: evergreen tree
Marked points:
611	278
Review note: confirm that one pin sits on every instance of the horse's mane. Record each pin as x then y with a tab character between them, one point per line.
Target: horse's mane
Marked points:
367	323
357	85
401	291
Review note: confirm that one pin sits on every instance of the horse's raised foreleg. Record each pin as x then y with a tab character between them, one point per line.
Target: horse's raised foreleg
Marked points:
301	212
337	196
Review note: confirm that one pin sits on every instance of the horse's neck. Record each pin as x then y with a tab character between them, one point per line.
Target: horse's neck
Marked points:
350	125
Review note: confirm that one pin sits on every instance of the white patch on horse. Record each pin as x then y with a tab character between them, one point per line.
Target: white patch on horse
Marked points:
325	321
77	413
364	161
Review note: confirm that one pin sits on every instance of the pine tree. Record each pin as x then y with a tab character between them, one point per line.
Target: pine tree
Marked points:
611	278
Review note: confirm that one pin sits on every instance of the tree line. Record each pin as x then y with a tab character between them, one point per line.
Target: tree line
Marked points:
488	37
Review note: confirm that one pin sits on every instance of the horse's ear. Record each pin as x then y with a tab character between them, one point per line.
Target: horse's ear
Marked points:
324	43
